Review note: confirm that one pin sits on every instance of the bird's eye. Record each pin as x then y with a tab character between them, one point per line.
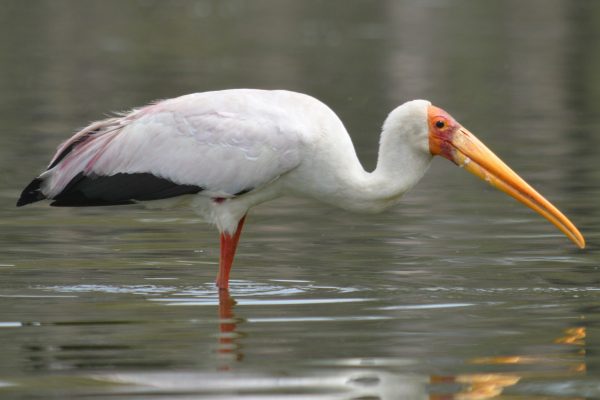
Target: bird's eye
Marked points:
440	124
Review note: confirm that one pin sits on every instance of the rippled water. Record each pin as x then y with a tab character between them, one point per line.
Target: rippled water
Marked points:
458	293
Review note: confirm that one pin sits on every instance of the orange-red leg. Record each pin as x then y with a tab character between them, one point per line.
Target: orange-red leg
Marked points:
228	245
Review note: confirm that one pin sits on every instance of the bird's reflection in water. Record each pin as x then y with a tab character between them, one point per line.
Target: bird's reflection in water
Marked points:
378	378
481	386
228	348
471	386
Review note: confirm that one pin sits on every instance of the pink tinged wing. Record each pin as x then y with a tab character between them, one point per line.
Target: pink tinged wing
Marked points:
78	154
188	141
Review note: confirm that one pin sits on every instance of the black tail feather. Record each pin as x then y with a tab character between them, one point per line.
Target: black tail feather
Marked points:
31	193
117	189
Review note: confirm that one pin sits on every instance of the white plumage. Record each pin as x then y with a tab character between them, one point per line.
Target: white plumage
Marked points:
234	149
264	143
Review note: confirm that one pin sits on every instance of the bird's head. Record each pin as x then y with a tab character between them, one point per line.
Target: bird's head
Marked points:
449	139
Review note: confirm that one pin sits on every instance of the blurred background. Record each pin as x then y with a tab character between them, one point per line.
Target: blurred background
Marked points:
83	291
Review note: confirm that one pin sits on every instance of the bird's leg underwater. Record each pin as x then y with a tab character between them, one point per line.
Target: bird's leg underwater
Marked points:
228	247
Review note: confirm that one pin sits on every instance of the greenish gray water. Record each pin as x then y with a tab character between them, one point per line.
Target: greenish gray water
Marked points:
459	292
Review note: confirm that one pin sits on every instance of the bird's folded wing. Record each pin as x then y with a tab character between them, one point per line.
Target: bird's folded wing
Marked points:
158	152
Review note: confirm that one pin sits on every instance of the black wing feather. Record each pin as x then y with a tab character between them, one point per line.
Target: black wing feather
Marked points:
31	193
121	188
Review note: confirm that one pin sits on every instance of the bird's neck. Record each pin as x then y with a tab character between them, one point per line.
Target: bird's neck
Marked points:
399	168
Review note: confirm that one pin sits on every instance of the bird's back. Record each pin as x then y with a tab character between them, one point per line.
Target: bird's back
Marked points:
220	144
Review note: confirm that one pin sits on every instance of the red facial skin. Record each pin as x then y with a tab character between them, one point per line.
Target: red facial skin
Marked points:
441	131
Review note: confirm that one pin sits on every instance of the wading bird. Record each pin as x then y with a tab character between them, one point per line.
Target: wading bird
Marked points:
231	150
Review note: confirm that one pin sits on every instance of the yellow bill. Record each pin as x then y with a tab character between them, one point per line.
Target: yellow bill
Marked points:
449	139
